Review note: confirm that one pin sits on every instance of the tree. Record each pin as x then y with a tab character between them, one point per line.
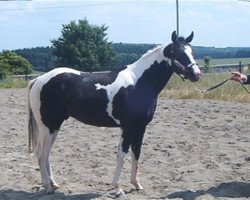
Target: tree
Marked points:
11	63
207	67
84	46
41	58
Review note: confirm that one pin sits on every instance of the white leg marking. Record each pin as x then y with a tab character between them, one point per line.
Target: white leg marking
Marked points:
134	173
44	142
119	164
48	165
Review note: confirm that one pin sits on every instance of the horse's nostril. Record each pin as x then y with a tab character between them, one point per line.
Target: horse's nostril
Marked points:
198	76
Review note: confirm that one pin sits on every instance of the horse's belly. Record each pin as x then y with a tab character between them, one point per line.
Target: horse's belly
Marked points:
96	119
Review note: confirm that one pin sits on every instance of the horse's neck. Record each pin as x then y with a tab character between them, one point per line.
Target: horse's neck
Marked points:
152	69
145	62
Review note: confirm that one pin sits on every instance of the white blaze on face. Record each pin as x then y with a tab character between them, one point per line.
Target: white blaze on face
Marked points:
188	51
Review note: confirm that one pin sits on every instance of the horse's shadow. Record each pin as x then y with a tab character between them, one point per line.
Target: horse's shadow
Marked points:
227	190
14	194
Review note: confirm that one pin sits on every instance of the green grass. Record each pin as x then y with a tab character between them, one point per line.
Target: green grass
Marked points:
178	89
11	82
226	61
230	91
36	72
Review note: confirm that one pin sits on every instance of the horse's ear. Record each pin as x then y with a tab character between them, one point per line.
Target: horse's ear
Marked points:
189	38
167	51
174	37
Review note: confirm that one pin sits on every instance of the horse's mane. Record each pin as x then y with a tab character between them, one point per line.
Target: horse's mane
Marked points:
150	51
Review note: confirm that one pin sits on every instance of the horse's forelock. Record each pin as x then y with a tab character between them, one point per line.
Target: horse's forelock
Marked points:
181	40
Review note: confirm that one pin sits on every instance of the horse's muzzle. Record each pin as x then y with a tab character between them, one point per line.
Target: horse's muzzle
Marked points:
194	73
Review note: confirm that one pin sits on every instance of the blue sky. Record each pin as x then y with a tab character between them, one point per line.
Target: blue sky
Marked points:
221	23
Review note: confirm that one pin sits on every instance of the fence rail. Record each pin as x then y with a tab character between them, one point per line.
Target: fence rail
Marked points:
230	67
26	77
214	68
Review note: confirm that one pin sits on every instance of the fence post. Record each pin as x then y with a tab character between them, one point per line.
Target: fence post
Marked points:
240	67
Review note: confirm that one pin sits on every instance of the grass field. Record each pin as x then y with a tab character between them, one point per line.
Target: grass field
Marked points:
177	89
11	82
230	91
226	61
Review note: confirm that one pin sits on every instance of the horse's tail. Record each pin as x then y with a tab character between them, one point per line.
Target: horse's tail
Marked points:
32	124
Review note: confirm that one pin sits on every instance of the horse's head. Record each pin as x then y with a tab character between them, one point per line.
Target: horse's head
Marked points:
182	59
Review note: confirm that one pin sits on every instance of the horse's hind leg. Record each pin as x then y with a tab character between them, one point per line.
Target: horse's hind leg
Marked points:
43	149
48	165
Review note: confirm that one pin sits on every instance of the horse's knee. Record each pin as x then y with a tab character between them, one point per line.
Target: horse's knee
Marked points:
136	150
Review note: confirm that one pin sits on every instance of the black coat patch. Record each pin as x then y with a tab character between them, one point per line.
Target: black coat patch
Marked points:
69	94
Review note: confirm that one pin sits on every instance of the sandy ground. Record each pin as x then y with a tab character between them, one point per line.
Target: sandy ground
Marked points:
192	150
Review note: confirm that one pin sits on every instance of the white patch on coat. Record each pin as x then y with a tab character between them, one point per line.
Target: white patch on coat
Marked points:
130	75
35	91
46	77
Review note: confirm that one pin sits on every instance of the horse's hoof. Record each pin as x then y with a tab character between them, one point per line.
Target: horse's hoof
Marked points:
138	186
121	194
118	195
48	188
54	185
50	191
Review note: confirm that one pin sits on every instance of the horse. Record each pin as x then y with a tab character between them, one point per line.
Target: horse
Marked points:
125	98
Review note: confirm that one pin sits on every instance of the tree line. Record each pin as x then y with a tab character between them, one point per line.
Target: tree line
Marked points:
42	58
220	53
85	47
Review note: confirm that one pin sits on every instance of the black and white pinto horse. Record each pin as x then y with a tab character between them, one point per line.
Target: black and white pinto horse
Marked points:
124	98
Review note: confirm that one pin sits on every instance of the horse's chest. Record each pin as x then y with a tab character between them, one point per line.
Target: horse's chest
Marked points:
130	107
91	108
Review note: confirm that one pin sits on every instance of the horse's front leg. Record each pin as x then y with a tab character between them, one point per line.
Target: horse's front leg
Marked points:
122	151
135	155
134	172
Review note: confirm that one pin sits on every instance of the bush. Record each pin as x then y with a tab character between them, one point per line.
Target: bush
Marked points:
11	63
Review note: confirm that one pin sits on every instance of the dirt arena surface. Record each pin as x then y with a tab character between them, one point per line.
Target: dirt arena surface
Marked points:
192	150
